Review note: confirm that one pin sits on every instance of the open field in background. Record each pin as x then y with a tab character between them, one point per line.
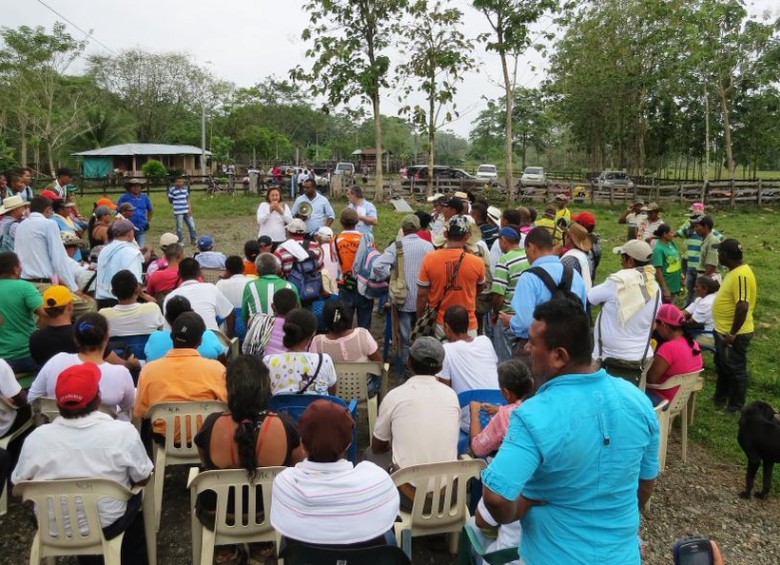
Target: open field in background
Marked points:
231	220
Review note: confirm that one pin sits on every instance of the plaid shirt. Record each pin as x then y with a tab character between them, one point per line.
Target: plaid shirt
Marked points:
415	250
288	259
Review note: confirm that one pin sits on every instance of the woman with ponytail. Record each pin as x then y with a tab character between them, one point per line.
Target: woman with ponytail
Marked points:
247	436
678	354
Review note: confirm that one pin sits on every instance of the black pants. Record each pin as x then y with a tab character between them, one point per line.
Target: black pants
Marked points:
731	367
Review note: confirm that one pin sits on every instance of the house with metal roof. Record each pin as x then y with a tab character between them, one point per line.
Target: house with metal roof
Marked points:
128	158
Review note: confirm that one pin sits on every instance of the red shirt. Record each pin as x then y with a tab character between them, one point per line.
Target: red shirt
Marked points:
163	280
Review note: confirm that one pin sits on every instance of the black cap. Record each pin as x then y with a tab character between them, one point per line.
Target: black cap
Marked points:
705	220
187	330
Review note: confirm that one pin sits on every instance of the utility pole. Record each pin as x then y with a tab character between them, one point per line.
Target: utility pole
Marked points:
203	139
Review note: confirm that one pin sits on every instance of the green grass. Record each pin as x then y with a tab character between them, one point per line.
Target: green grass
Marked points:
231	219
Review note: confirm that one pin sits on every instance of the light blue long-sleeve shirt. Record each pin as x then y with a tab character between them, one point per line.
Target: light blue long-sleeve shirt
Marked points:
531	291
321	210
38	245
117	256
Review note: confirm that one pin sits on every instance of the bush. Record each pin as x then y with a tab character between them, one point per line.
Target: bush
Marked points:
154	170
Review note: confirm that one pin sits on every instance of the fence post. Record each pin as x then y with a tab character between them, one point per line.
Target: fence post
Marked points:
612	195
682	195
759	196
704	192
733	196
592	193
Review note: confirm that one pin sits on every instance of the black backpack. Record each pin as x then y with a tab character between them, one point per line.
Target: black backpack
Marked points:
559	291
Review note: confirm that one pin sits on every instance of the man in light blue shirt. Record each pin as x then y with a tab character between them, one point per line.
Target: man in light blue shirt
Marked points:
531	290
322	213
367	213
119	255
576	453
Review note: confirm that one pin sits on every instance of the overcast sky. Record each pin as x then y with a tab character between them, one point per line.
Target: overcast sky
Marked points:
243	41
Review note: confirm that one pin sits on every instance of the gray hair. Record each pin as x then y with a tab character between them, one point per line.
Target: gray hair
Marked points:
267	264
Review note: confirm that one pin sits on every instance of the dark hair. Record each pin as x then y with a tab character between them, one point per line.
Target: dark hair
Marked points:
124	284
8	262
709	283
456	204
515	376
54	311
284	301
662	230
15	175
532	213
356	190
251	250
457	318
338	315
271	189
189	269
90	331
731	249
424	368
64	172
299	325
73	413
234	265
567	326
58	205
424	217
480	210
249	390
39	204
173	250
540	237
512	216
175	306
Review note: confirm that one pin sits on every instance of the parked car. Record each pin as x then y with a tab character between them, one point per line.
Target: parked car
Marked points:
617	179
533	176
443	173
487	172
344	168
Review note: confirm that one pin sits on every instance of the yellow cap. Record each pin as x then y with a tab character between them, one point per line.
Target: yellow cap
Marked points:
57	295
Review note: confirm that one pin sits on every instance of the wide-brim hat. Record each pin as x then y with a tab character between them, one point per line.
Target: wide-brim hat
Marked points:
12	203
579	236
134	181
494	214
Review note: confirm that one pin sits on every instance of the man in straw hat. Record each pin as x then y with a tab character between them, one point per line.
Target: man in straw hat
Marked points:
13	210
142	215
577	239
647	224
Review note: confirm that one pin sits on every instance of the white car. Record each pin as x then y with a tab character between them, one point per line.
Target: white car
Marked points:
487	172
344	169
533	176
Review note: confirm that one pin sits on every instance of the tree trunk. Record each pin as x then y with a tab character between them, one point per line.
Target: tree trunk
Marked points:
379	192
23	148
508	93
431	142
724	108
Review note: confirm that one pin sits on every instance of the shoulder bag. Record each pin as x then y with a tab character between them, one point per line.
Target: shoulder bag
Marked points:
426	324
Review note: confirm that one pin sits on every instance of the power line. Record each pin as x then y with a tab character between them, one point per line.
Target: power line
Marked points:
42	3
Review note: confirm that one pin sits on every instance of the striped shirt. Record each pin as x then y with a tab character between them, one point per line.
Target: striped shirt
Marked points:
415	249
288	259
259	293
508	271
179	196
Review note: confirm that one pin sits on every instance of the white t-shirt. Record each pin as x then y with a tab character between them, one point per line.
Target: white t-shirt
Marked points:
133	319
273	224
233	288
287	372
334	503
116	384
628	342
469	365
206	300
422	418
582	259
95	445
701	311
9	387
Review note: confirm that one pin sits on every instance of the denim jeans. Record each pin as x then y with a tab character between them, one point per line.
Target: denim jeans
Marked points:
732	370
502	338
140	238
406	321
361	304
190	221
690	280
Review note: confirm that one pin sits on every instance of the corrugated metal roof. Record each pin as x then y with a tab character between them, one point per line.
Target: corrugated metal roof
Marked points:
142	149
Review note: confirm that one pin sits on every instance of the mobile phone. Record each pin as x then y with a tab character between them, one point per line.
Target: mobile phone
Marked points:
694	551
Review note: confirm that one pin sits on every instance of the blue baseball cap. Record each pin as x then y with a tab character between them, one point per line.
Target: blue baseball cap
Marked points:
509	232
205	242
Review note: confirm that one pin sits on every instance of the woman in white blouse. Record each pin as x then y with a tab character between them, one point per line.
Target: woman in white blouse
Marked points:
273	215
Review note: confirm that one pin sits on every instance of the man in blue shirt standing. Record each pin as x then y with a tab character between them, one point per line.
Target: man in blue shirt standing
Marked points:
322	213
179	197
367	213
576	453
142	217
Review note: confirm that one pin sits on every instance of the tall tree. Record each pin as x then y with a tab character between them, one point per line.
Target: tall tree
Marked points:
438	56
510	21
349	43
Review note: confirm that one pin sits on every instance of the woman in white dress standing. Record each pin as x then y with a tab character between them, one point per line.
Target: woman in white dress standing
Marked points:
273	215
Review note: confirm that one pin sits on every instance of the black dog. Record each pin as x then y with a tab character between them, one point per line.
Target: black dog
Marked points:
759	438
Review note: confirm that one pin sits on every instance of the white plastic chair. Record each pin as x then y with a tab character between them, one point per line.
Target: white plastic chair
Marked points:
66	501
183	419
4	442
435	486
688	383
45	410
247	524
352	383
211	275
230	343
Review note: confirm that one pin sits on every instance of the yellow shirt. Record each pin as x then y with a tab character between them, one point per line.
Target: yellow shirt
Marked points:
563	213
738	284
552	227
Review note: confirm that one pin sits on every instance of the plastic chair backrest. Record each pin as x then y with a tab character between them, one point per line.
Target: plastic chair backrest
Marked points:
231	344
300	553
187	416
446	482
488	395
47	408
352	379
58	501
134	343
211	275
249	520
687	383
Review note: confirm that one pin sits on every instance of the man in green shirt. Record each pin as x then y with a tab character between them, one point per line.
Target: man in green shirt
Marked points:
667	263
510	266
19	300
708	259
259	293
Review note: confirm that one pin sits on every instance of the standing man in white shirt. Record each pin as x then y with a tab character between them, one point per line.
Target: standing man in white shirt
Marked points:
206	299
367	213
38	245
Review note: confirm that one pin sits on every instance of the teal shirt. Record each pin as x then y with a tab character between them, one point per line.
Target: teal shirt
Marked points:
18	301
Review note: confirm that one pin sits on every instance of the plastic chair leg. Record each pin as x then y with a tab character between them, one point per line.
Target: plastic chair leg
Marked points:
35	551
454	541
159	479
406	543
149	525
4	500
684	431
112	550
207	547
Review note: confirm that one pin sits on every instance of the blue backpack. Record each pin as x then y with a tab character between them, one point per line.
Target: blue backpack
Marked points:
306	277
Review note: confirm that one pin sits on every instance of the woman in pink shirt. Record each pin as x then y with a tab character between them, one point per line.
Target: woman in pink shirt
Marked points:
516	383
678	354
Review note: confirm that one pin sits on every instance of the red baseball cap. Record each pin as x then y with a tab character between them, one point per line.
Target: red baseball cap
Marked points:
51	194
77	385
586	219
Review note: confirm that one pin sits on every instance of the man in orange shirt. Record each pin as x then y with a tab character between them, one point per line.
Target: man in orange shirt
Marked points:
182	375
437	271
347	243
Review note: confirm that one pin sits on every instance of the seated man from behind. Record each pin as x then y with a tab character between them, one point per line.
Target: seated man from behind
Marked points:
160	342
163	280
85	442
205	298
206	256
325	499
130	317
182	375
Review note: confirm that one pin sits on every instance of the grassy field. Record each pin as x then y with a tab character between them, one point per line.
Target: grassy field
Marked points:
231	221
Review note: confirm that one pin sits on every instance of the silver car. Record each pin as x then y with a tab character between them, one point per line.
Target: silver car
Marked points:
533	176
617	179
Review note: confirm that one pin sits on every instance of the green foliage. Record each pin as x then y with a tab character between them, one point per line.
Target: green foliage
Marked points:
154	169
